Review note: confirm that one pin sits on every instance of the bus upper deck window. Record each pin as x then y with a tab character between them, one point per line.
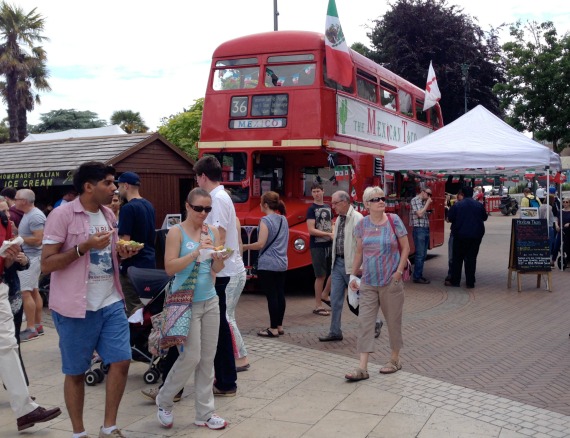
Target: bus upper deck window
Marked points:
388	95
232	74
236	78
293	75
421	115
405	100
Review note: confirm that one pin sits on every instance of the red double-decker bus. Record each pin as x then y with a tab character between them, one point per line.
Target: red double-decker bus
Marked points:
277	122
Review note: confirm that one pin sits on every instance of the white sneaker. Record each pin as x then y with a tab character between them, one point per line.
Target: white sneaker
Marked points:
165	418
214	422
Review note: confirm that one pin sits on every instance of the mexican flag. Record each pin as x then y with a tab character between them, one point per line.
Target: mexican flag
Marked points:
339	61
529	174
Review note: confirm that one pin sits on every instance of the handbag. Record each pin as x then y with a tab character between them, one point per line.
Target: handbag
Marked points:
171	327
265	248
408	269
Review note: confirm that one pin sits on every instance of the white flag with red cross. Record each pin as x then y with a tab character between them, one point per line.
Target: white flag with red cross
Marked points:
432	94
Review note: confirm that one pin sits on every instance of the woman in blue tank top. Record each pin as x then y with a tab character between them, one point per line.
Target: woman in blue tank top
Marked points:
183	245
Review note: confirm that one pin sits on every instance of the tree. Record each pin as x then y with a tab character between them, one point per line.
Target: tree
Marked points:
22	63
64	119
415	32
183	129
4	131
129	121
537	91
362	49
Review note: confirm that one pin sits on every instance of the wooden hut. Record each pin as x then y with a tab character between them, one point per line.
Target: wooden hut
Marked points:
46	167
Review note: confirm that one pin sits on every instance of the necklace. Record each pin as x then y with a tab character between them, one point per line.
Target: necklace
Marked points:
377	226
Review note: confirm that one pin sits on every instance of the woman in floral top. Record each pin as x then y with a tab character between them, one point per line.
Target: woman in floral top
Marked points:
382	263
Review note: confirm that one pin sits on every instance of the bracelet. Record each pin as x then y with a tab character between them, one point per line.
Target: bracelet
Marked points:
79	254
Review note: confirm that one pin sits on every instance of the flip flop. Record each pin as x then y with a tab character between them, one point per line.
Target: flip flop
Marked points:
327	302
321	312
267	334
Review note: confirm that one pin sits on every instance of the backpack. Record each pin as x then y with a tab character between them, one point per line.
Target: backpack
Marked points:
532	202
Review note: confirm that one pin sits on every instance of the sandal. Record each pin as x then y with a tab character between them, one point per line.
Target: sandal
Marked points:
327	302
281	332
391	367
357	375
322	312
267	333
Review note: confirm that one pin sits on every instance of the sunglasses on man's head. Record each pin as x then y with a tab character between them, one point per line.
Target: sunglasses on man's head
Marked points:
200	208
381	198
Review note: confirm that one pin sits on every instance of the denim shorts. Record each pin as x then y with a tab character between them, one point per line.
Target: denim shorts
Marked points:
105	331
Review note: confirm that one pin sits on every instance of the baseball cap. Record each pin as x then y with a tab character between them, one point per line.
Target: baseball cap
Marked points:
129	178
552	190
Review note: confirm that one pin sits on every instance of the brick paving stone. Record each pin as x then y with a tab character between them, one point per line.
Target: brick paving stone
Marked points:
491	339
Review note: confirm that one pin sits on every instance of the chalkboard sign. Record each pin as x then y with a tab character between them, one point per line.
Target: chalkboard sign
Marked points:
530	250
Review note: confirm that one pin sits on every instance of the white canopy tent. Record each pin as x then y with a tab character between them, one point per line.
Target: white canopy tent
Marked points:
476	140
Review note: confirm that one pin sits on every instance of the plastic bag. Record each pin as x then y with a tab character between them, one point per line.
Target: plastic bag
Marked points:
353	295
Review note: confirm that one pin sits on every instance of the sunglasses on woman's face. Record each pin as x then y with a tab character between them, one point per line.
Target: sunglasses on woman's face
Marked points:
381	198
200	208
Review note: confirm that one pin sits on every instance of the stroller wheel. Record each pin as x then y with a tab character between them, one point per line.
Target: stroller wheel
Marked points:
104	367
91	378
100	375
151	376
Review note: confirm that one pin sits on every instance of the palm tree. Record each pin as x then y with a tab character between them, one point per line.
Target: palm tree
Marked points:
129	121
21	31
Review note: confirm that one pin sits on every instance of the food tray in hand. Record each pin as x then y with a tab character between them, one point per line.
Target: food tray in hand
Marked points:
130	244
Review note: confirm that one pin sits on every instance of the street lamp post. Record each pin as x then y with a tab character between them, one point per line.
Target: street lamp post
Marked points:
275	15
465	79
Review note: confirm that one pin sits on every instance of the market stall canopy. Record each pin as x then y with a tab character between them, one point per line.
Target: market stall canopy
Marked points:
476	140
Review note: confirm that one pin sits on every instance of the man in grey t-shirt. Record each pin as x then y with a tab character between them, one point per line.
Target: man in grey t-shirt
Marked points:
31	229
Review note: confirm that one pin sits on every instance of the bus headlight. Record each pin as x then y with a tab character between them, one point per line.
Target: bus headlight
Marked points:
299	244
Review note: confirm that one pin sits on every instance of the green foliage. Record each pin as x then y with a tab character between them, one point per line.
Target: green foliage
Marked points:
536	94
183	129
129	121
4	131
362	49
22	63
415	32
64	119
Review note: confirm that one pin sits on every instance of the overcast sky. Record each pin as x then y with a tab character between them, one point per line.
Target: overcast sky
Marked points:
153	57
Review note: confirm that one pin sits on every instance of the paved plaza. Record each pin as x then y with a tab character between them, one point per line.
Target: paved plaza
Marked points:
484	362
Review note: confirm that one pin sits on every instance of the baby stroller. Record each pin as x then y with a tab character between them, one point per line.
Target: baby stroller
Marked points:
150	285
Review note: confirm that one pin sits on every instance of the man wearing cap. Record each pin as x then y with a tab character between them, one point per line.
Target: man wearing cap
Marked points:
137	222
420	221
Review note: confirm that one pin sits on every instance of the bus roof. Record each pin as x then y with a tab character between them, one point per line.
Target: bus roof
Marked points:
298	41
271	42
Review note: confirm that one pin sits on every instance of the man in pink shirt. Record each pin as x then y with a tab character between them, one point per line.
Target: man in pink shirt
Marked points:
81	253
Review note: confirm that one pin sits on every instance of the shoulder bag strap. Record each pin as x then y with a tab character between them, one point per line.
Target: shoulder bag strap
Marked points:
272	240
394	231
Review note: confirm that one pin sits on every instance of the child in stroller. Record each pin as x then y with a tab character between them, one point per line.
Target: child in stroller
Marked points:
150	285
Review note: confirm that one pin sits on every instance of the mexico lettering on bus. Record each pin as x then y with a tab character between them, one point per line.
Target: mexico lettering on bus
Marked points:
277	122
